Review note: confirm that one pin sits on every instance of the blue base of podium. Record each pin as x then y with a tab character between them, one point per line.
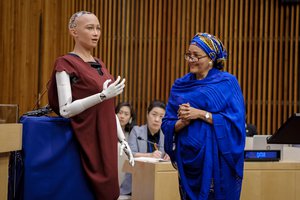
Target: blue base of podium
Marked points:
52	166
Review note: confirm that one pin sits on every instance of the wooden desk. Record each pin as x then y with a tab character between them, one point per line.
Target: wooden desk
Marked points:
153	181
10	140
271	181
262	181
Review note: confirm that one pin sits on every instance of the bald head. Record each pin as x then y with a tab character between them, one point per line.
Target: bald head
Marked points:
75	16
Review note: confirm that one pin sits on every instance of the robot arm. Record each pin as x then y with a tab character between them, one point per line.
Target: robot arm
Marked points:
67	108
124	145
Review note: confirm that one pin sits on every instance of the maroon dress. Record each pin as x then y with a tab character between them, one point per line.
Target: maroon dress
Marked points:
94	128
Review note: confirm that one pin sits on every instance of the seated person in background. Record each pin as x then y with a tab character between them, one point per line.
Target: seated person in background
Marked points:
126	116
147	140
250	130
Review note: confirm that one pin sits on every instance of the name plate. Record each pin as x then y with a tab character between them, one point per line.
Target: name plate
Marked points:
262	155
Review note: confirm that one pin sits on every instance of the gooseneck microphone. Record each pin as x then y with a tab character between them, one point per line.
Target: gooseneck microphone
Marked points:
140	138
156	146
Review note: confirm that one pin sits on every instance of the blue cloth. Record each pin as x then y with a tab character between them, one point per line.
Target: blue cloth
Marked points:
212	46
203	152
52	166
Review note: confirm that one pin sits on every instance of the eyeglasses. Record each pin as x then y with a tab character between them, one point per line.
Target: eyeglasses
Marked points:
193	58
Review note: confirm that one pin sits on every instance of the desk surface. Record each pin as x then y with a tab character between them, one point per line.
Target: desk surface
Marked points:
262	180
157	166
271	181
10	140
10	137
271	165
153	181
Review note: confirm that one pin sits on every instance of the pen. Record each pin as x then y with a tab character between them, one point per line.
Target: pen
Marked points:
155	146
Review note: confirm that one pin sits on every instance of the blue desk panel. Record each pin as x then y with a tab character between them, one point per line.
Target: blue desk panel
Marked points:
52	166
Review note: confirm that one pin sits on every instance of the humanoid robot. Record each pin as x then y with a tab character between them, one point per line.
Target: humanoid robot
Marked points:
79	89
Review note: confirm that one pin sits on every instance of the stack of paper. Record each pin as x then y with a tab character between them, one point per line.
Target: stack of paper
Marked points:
148	159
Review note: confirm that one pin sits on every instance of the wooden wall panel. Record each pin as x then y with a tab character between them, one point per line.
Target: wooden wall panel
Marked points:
145	41
20	43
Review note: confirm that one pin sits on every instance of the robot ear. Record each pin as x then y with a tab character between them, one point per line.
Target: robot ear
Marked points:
73	32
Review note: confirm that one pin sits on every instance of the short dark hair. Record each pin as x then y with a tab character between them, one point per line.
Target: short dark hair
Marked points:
128	126
156	103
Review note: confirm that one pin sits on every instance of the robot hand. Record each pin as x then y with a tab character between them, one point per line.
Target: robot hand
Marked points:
113	89
125	147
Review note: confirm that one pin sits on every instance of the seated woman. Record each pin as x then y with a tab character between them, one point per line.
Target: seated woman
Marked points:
251	130
147	140
126	116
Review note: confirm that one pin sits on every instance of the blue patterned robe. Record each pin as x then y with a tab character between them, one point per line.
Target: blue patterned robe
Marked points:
201	151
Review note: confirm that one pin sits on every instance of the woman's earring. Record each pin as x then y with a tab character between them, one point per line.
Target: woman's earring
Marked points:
210	63
130	121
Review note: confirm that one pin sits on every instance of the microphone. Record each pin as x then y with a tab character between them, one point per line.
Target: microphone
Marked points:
155	144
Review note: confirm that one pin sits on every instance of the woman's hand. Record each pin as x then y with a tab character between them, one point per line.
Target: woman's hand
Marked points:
156	154
187	113
166	157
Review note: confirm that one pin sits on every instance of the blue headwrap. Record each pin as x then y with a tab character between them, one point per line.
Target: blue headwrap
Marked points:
212	46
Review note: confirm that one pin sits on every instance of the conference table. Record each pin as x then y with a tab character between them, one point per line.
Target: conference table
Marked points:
262	181
271	181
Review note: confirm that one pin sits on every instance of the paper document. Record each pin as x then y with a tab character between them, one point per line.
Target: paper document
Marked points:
148	159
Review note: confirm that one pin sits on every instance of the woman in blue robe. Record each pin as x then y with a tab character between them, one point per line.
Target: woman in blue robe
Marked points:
204	125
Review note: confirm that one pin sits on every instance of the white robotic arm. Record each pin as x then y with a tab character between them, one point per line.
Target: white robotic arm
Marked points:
67	108
124	145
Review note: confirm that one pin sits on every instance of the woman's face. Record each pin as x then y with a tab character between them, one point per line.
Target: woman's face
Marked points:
154	119
124	115
198	66
87	31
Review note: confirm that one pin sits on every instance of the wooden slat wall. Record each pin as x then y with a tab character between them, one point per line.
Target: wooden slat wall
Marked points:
19	50
145	41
